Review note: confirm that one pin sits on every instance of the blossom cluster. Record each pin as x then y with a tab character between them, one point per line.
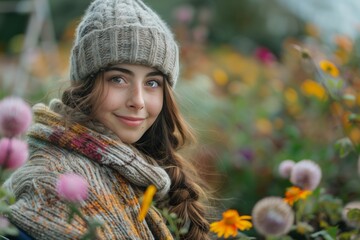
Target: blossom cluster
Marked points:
15	119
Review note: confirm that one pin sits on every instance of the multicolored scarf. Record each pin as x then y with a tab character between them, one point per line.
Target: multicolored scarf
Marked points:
116	172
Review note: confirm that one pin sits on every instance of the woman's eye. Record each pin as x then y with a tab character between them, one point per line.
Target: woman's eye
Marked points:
153	83
117	80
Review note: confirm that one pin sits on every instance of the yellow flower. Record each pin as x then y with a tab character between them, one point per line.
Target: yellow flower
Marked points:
312	88
230	224
220	77
263	126
354	135
329	68
294	194
146	202
291	96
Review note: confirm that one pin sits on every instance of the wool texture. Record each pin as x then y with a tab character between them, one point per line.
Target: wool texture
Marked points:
122	31
117	175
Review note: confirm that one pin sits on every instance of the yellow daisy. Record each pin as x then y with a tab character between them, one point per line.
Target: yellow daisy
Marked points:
329	68
312	88
230	224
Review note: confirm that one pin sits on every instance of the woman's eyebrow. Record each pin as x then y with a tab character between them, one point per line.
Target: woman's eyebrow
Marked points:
124	70
127	71
155	73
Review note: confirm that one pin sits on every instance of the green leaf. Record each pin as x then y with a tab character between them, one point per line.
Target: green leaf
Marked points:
332	231
344	146
324	234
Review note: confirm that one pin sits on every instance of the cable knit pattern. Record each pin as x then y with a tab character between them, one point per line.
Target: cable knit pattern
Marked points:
116	174
123	31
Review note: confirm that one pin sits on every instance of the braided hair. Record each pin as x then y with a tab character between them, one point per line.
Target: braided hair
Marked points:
168	134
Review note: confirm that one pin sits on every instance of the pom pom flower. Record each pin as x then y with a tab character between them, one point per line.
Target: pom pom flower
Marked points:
15	116
306	174
272	217
351	206
230	224
285	168
13	153
72	187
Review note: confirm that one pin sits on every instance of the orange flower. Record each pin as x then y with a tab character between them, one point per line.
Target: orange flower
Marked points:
312	88
230	224
146	202
294	194
329	68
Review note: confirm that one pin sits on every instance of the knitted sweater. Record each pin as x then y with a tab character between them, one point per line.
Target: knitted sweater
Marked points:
117	175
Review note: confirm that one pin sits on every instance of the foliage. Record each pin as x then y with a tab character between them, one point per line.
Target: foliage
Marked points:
254	109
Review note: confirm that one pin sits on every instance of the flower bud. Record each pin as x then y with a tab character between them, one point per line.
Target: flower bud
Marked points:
72	187
13	153
272	217
285	168
306	174
15	116
351	222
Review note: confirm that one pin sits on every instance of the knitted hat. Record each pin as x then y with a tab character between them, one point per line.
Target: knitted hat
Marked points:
122	31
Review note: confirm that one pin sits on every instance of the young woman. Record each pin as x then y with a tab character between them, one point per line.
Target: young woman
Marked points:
117	126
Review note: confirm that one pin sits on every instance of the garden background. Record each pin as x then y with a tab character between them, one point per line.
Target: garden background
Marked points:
249	84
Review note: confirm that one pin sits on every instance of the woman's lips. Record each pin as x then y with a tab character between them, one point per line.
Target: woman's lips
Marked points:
131	121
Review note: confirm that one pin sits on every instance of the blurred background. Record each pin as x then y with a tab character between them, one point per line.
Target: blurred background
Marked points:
245	87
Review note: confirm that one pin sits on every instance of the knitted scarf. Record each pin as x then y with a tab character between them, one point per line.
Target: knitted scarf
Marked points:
116	173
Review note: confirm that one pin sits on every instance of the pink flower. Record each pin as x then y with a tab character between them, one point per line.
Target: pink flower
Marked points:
13	153
285	168
15	116
272	217
4	222
184	14
306	174
264	55
72	187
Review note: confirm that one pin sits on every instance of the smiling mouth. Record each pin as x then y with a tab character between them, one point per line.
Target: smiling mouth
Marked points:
131	121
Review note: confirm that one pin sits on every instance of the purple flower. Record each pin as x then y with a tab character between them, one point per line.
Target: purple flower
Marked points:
306	174
72	187
15	116
285	168
13	153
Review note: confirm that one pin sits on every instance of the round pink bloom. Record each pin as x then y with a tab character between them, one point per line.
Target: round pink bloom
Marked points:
72	187
13	153
271	216
264	55
184	14
285	168
15	116
306	174
4	222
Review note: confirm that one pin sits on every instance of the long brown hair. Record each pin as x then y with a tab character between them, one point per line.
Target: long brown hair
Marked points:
161	141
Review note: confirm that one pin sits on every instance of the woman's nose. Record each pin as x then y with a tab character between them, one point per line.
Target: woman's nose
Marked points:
136	98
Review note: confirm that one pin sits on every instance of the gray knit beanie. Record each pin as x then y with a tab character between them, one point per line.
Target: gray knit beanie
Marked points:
122	31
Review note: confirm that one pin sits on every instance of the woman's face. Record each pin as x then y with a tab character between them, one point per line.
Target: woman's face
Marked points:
131	101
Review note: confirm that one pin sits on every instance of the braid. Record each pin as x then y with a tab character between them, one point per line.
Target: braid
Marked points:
167	135
184	201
